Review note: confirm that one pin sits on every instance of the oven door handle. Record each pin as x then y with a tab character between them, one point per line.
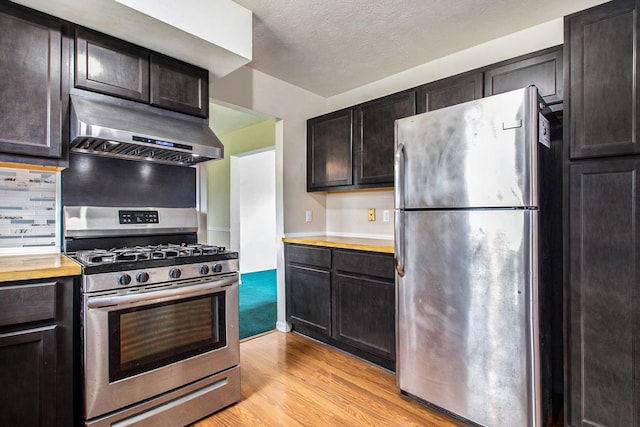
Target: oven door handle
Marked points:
162	295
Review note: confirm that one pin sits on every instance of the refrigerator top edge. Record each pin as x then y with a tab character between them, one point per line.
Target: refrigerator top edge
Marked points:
481	153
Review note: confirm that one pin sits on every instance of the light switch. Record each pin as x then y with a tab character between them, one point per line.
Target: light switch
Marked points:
308	216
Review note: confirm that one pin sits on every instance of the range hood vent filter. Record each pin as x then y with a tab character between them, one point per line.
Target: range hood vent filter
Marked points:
107	126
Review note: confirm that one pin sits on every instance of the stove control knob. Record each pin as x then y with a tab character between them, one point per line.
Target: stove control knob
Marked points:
124	279
204	269
142	277
217	268
175	273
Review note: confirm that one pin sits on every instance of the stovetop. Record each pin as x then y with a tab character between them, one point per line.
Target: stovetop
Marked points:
148	256
145	253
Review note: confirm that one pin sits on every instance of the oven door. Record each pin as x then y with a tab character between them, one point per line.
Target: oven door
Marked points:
141	344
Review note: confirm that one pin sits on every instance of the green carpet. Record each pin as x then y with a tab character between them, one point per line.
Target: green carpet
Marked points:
257	302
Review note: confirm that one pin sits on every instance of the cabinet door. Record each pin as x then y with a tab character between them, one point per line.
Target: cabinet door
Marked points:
543	69
329	155
450	91
604	79
603	329
309	298
365	313
179	87
111	66
364	301
27	375
30	84
374	138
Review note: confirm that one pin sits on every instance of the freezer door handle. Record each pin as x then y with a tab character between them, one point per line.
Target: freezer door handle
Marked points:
399	163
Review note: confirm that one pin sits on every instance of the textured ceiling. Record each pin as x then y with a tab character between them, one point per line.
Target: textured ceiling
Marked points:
332	46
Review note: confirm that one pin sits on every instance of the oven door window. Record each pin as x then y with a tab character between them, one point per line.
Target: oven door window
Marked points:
151	336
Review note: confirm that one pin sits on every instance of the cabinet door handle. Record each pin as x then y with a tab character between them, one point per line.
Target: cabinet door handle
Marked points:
398	242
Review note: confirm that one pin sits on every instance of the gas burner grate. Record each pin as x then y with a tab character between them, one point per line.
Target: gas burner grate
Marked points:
146	253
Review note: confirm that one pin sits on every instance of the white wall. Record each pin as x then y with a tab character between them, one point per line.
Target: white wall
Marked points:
253	210
347	214
292	106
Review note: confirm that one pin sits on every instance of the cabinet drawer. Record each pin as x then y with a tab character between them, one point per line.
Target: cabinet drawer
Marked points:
371	264
27	303
309	255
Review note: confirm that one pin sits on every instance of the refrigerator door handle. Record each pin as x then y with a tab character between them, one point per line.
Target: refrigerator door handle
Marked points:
398	168
399	163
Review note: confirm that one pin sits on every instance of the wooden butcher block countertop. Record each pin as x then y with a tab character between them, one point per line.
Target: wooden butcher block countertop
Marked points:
40	266
371	245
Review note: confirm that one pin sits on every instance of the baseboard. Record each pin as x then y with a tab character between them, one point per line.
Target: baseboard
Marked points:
283	326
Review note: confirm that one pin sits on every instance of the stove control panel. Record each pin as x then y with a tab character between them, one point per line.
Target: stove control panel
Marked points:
153	276
138	217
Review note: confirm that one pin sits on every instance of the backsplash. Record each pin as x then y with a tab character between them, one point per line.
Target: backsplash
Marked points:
28	210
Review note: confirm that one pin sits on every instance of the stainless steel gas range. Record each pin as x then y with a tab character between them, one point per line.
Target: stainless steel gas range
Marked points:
158	316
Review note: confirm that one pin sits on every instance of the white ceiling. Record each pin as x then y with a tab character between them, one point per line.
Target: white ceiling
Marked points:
331	46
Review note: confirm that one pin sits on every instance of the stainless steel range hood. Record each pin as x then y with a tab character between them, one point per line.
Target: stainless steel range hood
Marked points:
113	127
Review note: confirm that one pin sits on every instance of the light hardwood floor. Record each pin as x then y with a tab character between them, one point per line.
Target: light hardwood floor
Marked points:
290	380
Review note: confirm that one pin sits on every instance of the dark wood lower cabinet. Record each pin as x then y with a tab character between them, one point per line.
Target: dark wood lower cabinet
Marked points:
345	298
310	298
364	314
28	375
36	353
603	326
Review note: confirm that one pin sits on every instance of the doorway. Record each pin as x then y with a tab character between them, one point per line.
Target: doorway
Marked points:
253	209
242	211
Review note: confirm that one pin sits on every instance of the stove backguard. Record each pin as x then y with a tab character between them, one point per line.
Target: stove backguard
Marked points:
104	227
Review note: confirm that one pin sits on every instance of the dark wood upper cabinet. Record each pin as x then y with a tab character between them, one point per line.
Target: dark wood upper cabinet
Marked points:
352	149
375	135
542	69
600	45
450	91
179	86
111	66
30	83
329	150
114	67
603	332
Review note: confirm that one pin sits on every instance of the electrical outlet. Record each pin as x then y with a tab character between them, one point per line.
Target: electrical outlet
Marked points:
385	215
371	214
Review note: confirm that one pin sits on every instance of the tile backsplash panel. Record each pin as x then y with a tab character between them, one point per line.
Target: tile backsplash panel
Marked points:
28	210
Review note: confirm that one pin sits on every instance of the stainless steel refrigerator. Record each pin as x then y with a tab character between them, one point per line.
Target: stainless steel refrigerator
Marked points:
472	258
